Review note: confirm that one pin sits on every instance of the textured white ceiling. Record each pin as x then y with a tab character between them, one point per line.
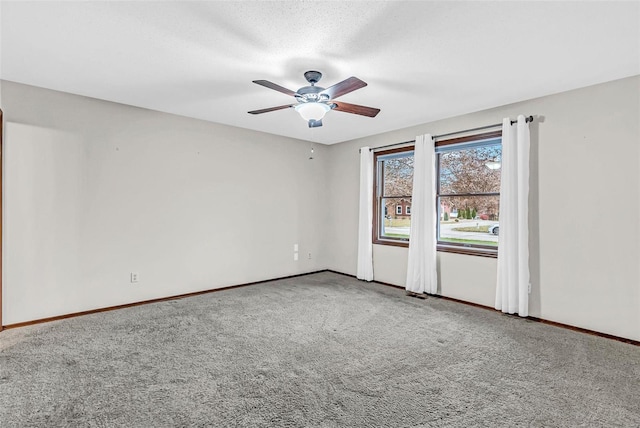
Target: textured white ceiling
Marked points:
422	60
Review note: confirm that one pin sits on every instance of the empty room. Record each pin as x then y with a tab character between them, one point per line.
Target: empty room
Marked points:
320	214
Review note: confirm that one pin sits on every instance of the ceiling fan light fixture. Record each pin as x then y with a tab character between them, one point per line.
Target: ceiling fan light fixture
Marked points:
312	110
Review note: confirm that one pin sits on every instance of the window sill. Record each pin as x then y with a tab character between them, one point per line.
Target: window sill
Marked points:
391	242
469	251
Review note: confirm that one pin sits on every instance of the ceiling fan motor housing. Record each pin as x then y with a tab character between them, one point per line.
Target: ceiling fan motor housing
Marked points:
311	94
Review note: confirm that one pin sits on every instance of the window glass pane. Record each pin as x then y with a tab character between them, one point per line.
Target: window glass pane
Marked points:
398	176
468	191
469	220
475	170
396	222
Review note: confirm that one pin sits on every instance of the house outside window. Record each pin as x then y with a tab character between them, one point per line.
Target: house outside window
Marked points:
468	193
393	175
467	200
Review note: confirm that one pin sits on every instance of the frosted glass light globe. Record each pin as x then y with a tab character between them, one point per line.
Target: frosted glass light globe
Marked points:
312	111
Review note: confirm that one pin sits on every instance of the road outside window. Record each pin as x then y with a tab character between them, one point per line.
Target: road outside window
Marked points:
468	194
394	183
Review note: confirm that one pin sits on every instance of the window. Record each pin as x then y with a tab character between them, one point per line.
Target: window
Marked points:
393	182
467	194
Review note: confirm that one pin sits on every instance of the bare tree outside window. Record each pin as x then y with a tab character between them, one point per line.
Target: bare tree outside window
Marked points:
394	184
468	194
398	176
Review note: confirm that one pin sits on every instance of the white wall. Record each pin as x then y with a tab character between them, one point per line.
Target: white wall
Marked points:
96	190
585	166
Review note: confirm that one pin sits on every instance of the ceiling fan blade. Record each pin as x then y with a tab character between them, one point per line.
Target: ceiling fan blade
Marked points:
267	110
356	109
272	85
344	87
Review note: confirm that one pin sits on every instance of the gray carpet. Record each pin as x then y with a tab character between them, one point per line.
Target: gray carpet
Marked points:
322	350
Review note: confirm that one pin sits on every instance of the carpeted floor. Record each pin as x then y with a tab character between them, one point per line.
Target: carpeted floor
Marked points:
322	350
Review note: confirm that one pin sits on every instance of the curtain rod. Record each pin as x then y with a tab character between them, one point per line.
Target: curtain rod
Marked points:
435	137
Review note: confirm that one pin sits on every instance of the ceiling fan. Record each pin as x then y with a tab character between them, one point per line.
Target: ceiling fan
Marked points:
313	102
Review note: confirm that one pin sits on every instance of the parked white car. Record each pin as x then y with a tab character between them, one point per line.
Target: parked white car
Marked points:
494	229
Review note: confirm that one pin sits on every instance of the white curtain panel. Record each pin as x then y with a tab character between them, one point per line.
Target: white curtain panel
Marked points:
365	238
422	275
512	291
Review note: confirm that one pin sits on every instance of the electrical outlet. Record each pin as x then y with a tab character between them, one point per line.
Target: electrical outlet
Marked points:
309	256
295	257
295	247
135	277
529	289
